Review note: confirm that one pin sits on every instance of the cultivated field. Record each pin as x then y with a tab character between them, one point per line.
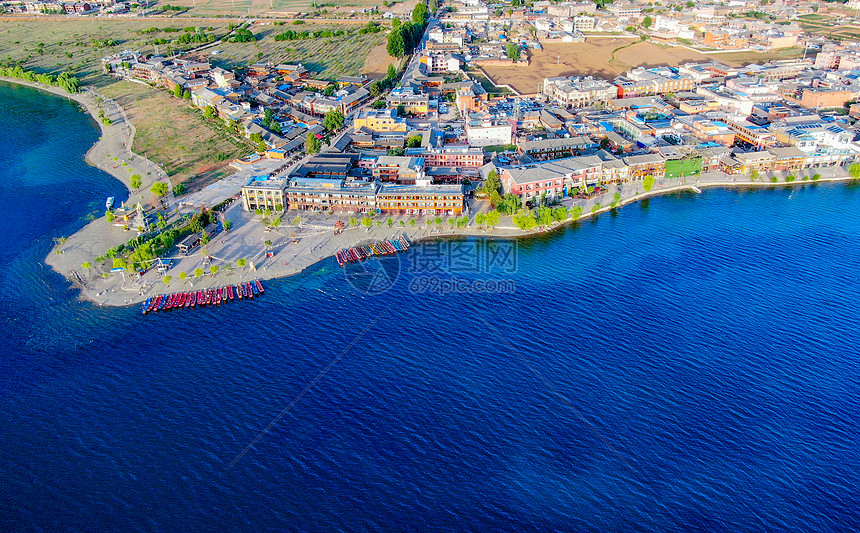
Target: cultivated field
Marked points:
74	45
55	45
327	57
285	7
832	25
608	57
591	58
172	133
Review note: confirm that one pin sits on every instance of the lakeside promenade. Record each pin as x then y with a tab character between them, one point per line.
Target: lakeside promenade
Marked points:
293	249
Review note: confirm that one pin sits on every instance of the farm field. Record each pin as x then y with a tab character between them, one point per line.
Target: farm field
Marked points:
327	57
77	45
591	58
608	57
163	125
56	45
285	7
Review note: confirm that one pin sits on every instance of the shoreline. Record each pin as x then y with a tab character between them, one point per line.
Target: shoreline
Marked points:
320	244
115	140
295	248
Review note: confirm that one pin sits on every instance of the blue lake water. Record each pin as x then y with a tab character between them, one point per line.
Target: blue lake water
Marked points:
690	363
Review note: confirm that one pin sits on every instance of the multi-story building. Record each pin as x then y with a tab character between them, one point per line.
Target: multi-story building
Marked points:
825	97
703	72
441	62
421	199
752	134
379	120
545	149
404	170
706	130
336	195
551	179
488	132
578	92
413	103
643	82
460	156
640	166
264	192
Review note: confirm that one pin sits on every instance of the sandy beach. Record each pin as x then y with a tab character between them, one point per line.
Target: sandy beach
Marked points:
290	248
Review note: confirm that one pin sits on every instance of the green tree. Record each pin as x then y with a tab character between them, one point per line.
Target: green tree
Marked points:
396	46
414	141
648	182
159	188
366	222
420	14
513	51
559	214
753	174
576	212
616	199
646	22
438	221
213	269
241	262
227	224
390	222
376	87
135	181
312	144
198	272
186	94
86	265
480	218
179	189
493	218
166	280
525	219
333	120
110	216
544	216
183	276
177	91
816	177
209	112
353	222
854	170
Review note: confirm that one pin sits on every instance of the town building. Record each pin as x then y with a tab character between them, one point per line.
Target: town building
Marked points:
265	193
423	199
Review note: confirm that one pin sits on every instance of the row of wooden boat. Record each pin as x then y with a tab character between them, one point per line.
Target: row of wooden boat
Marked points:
362	252
203	297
